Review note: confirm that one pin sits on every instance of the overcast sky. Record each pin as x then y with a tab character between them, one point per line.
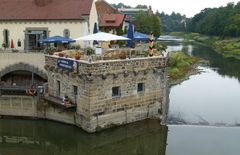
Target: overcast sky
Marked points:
187	7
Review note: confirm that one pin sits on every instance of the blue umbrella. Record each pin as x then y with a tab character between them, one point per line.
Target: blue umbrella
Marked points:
56	39
95	30
130	43
139	36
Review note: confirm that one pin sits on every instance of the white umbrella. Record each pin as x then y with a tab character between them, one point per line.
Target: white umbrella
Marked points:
85	33
102	36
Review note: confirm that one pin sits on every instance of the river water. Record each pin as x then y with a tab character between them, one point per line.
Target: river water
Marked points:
206	107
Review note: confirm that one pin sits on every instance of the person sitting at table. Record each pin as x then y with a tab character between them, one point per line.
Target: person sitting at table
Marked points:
66	100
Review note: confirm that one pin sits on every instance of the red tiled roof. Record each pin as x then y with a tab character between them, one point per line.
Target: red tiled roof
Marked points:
44	9
103	7
111	20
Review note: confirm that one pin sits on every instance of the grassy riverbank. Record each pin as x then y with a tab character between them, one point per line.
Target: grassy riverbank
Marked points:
228	47
180	67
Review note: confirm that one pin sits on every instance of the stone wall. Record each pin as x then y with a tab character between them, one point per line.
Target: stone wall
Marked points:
26	106
33	59
57	114
96	107
18	106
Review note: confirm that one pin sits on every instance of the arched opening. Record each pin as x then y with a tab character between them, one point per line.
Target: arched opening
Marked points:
17	82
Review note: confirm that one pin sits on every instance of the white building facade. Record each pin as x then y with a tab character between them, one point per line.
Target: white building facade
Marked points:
26	29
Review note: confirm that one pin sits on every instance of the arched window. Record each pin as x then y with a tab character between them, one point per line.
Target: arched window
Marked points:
6	37
66	33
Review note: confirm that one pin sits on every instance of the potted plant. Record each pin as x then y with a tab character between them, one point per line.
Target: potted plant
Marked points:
77	56
60	54
90	51
77	47
51	50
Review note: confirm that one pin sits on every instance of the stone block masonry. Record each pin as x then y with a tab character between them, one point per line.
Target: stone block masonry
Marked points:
112	92
18	106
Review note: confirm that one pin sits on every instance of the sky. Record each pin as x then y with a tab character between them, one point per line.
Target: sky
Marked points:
187	7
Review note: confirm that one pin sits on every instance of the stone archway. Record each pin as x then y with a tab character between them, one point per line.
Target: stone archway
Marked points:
23	67
17	78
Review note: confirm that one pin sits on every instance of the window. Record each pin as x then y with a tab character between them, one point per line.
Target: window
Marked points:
140	87
6	37
116	92
19	43
75	90
58	88
75	93
66	33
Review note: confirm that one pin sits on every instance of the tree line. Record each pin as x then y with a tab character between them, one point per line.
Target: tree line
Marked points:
160	22
147	24
222	21
172	23
143	22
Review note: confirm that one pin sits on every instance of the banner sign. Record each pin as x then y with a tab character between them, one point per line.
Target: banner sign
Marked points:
65	64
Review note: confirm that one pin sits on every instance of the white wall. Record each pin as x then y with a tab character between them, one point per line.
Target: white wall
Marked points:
17	28
93	18
76	27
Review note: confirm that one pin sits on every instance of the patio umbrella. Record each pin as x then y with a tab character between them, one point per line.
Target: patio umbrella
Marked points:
137	36
56	39
102	36
85	33
95	30
130	36
12	44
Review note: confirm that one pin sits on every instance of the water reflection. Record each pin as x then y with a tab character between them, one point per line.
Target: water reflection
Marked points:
210	98
206	99
18	137
225	66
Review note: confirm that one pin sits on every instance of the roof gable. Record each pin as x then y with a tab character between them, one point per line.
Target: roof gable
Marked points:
44	9
103	7
111	20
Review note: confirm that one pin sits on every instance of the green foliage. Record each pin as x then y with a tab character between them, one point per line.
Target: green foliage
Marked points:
139	6
229	48
160	46
121	43
173	23
120	31
147	24
90	51
223	21
179	65
75	46
120	5
78	47
51	48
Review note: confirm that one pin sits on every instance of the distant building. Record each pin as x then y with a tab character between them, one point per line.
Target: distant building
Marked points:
27	21
110	19
130	13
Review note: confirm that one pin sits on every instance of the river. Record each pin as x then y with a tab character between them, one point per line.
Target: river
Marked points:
206	108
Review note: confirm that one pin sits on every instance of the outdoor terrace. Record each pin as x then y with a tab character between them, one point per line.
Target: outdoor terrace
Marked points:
133	61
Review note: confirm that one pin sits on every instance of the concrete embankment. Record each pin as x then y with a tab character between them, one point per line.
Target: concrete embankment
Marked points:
26	106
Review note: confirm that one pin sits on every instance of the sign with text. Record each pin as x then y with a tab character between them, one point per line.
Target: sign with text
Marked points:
66	64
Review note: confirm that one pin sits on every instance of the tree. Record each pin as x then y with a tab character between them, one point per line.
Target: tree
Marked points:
120	5
147	24
172	23
141	6
222	21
